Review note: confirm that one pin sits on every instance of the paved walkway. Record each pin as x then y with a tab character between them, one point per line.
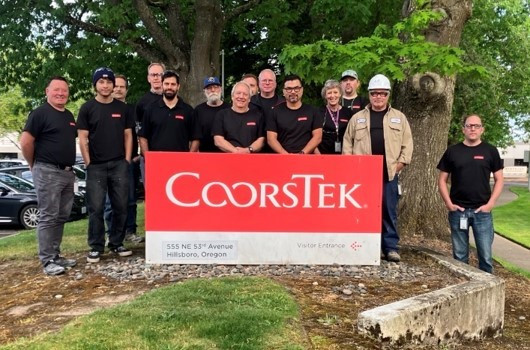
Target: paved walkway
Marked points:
504	248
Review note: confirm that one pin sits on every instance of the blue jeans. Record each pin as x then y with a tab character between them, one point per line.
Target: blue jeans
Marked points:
390	236
55	196
112	177
482	224
130	224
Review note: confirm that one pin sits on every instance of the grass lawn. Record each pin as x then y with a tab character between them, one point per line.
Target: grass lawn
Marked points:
512	220
223	313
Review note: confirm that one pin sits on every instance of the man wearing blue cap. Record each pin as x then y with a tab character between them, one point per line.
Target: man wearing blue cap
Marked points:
105	139
204	115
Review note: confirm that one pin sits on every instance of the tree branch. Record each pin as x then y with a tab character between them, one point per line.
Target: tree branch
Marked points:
177	26
241	9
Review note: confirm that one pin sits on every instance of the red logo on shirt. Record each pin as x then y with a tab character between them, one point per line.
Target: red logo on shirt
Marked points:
478	157
356	106
116	115
302	118
72	124
181	117
251	123
344	120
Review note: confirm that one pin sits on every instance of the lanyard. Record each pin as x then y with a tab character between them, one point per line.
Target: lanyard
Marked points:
334	118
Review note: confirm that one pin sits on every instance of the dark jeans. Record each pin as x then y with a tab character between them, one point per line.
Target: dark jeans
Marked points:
482	224
112	177
133	172
55	196
390	237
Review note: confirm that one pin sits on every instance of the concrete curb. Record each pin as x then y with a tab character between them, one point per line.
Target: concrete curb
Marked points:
471	310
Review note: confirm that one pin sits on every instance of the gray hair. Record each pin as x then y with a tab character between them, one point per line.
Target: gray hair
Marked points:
330	84
240	83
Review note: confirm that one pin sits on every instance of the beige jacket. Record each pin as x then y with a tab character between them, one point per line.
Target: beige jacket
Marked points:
397	133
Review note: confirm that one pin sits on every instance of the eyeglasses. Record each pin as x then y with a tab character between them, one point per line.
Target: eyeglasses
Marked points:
154	75
378	93
267	81
473	126
293	89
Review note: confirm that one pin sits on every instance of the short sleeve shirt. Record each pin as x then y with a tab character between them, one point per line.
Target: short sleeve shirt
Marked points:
294	126
106	124
240	129
54	132
203	117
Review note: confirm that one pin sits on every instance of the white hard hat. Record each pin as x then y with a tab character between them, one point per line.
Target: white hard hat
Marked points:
379	81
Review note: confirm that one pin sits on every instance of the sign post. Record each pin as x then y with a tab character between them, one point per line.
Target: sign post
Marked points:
262	209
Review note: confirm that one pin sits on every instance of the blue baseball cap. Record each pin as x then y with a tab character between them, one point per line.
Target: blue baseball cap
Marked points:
211	81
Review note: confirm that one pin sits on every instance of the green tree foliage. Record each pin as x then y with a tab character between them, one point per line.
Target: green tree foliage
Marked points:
497	37
13	110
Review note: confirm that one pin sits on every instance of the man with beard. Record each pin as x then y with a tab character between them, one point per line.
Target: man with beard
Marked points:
168	123
292	126
385	131
105	139
350	84
239	129
204	115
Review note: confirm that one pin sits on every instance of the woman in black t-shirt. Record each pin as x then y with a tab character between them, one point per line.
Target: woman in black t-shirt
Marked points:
336	119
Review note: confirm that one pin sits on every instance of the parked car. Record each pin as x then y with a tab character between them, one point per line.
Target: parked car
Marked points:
24	173
6	163
18	202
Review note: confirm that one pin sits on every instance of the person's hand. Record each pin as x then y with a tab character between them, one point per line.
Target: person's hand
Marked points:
486	208
454	207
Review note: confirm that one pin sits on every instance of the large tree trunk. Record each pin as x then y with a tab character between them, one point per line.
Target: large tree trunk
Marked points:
427	101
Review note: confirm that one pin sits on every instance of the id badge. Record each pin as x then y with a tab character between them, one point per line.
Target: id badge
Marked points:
463	222
338	146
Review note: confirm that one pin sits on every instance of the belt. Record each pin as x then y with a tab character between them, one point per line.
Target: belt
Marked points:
58	166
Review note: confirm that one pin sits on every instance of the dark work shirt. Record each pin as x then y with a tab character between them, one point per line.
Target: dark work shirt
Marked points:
240	129
143	103
377	136
266	105
168	129
54	132
106	124
203	117
329	132
134	132
294	127
355	105
470	169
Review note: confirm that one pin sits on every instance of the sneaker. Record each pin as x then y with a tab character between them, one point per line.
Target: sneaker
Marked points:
121	251
53	269
59	260
393	256
93	256
134	238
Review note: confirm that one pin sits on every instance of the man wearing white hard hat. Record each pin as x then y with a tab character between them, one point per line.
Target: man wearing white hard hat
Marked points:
382	130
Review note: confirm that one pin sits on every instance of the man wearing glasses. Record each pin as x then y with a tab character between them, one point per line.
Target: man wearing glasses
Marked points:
293	127
470	164
383	130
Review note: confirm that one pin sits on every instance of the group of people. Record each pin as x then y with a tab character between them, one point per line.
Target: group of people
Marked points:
257	120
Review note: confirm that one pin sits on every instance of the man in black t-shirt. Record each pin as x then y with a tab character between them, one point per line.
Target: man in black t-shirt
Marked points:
350	83
470	164
105	139
204	115
48	144
168	123
239	129
293	127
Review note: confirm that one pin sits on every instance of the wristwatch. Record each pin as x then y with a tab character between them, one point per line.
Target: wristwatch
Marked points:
250	149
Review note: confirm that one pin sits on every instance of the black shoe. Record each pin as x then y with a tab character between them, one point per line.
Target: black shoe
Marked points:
121	251
59	260
93	256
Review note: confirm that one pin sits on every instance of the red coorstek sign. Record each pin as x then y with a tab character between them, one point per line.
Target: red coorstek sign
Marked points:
262	208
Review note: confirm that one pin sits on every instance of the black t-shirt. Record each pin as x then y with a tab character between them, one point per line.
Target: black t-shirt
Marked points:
329	131
266	105
106	123
134	131
54	132
377	136
203	117
143	103
355	105
470	169
294	127
168	129
240	129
